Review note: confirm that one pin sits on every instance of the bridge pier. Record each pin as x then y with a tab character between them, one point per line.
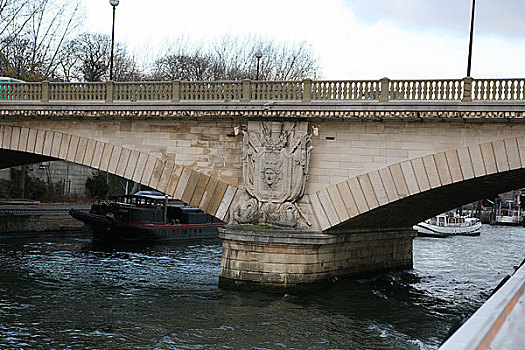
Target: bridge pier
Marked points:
278	259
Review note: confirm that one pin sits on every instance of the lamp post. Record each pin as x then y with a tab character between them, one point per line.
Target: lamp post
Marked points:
471	38
258	55
113	3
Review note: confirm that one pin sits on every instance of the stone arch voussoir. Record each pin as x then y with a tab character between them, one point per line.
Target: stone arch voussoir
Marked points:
198	189
338	204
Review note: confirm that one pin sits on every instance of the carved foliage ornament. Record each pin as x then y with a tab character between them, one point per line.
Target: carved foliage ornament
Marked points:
275	170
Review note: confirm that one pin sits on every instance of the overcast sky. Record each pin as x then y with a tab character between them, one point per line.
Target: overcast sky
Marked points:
354	39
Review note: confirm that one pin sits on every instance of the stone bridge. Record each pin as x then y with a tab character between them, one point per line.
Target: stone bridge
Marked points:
337	171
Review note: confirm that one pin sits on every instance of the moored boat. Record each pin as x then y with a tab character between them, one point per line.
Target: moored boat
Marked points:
508	212
445	225
147	218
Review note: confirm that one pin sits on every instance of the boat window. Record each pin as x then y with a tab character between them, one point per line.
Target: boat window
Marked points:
441	221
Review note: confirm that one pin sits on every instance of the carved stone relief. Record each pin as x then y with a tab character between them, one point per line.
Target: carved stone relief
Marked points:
275	171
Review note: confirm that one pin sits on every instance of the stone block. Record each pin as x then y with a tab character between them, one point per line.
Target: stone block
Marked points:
466	163
40	139
72	149
208	193
348	199
513	156
148	170
358	195
432	172
81	149
48	142
500	153
328	206
216	199
182	182
57	141
224	206
389	185
90	152
105	157
410	177
157	172
489	160
6	139
189	189
477	161
174	181
132	164
521	149
319	212
115	159
22	142
368	191
64	146
338	202
454	166
199	190
165	176
379	189
15	138
122	161
421	174
399	180
139	168
442	167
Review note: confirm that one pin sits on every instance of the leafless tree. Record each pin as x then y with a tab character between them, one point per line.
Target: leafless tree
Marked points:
86	58
233	58
32	33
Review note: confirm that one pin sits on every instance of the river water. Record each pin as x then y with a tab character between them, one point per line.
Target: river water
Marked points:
61	293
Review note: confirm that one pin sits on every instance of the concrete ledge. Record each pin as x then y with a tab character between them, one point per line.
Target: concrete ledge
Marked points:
497	324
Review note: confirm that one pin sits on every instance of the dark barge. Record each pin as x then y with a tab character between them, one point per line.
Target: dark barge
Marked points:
147	218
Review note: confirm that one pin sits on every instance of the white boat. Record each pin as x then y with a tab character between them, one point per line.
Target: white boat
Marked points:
448	224
509	212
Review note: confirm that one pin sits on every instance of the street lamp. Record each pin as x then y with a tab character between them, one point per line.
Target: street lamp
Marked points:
258	55
113	3
471	37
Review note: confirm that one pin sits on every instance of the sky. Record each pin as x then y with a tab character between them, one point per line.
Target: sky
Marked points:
353	39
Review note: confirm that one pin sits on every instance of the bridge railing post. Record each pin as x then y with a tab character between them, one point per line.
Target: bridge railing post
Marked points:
175	97
45	91
307	92
467	89
246	90
384	90
109	91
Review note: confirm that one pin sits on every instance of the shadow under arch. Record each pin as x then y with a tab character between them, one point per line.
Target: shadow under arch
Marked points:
409	192
22	145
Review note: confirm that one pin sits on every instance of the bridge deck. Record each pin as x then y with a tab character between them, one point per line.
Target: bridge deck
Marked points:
499	323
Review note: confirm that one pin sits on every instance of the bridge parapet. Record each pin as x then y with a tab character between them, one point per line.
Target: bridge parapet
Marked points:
383	90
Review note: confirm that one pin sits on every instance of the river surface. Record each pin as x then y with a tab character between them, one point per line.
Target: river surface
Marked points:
61	293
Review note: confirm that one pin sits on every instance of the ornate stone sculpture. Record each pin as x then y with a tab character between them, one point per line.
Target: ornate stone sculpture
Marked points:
275	170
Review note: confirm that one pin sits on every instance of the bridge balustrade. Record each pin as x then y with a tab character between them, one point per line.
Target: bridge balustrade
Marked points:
383	90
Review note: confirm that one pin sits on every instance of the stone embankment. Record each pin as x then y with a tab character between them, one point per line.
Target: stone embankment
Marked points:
16	219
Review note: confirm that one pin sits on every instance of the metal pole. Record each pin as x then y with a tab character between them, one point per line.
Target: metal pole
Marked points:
257	76
112	45
471	38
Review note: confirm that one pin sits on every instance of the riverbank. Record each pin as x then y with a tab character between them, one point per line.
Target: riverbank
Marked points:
18	220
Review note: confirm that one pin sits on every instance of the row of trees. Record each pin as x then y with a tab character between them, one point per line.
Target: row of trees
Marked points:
43	39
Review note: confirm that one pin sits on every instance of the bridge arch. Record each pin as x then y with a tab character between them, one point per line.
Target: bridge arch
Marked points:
198	189
403	194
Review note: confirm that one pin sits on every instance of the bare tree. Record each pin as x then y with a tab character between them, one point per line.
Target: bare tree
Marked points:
32	33
233	58
87	58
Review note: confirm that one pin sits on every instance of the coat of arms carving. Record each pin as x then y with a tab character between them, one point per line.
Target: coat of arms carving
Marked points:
275	171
